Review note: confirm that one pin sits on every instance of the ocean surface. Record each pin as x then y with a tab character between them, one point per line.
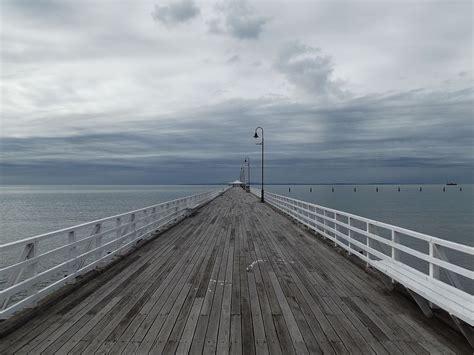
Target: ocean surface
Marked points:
26	211
445	214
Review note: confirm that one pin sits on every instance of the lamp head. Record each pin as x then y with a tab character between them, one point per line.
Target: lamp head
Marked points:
255	135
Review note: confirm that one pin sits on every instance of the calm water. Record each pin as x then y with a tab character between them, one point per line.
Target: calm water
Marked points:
448	215
26	211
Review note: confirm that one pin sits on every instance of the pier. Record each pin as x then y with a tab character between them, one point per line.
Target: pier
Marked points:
233	276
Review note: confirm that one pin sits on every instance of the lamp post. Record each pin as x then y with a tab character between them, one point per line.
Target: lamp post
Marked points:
247	187
262	198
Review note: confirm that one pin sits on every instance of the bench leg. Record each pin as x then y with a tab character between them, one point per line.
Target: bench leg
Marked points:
422	303
388	282
465	329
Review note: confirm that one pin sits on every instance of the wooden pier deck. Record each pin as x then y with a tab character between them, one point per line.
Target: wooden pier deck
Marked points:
237	277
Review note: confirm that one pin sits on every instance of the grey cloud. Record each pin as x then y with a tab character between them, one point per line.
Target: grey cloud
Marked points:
175	13
234	59
214	26
239	20
394	137
246	27
53	12
310	69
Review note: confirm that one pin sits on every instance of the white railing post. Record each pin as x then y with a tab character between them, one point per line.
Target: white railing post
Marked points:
431	253
72	251
28	252
152	219
118	231
133	222
145	222
34	251
452	277
98	240
367	254
324	222
349	236
319	215
395	240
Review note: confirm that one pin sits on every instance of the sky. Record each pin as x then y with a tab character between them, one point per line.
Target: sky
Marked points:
159	92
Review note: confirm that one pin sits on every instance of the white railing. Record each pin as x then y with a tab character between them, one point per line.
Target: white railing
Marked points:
34	267
417	261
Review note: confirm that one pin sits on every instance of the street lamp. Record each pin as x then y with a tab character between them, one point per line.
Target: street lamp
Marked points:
247	187
262	144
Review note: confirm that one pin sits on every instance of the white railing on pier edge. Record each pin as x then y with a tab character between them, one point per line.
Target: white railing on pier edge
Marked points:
384	247
48	261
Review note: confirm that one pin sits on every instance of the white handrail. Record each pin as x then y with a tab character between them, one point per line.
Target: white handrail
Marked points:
46	262
363	237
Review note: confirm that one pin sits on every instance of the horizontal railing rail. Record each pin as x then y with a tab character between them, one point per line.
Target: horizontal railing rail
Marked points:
418	261
34	267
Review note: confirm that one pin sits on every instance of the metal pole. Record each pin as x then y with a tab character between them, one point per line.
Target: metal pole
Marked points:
263	191
248	173
262	197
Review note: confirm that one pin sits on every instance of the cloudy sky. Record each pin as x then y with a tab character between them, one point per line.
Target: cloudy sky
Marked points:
132	92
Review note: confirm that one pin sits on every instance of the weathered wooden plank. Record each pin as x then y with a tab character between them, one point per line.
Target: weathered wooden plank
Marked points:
139	317
306	322
188	333
235	334
179	327
158	313
248	340
165	330
170	325
292	295
215	315
260	339
275	325
150	310
72	341
209	280
290	320
223	345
